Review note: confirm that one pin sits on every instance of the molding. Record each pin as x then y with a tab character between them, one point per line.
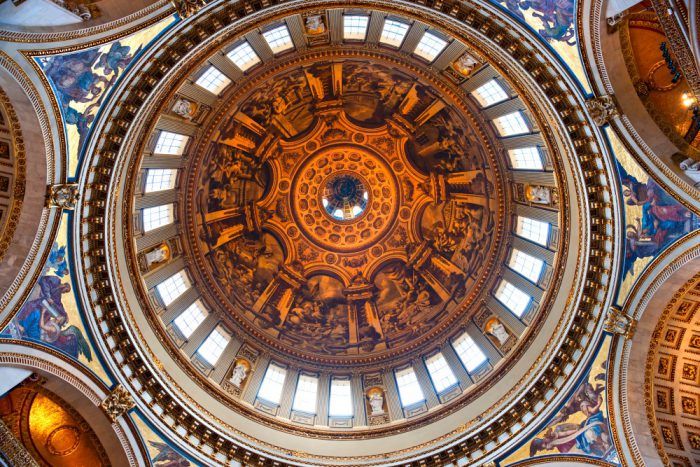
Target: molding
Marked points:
39	37
468	439
7	230
648	284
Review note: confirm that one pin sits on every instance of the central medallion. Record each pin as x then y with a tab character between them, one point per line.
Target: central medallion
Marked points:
344	197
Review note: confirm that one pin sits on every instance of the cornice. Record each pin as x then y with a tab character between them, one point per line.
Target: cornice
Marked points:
45	37
590	301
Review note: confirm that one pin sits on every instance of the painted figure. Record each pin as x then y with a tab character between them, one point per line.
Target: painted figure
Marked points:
76	80
663	220
591	436
45	319
167	456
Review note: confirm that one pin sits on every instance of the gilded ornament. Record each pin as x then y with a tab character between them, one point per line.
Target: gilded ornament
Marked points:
64	196
187	8
602	109
117	403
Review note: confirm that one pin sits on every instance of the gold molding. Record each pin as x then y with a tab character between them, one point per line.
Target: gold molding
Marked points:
39	37
599	183
20	175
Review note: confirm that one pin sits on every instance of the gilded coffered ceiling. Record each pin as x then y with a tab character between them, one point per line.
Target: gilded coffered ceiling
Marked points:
674	358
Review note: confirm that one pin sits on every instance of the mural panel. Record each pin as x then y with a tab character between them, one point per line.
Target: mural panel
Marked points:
82	80
555	22
51	315
161	452
653	218
581	427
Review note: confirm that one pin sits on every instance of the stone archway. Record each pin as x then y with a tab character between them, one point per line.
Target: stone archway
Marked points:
84	393
632	373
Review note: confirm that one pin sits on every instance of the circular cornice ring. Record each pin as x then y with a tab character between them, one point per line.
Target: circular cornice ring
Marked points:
477	442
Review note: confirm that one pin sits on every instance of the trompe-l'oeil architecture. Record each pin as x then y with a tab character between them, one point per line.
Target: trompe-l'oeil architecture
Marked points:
358	233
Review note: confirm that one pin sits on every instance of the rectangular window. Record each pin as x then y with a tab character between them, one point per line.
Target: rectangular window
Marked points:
340	404
160	179
526	265
469	353
430	46
171	143
534	230
409	388
272	384
190	319
355	27
393	33
214	345
243	56
172	287
157	216
440	372
490	93
305	395
213	80
511	124
512	298
526	158
279	39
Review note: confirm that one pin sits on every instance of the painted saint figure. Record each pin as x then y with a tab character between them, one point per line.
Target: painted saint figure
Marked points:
45	319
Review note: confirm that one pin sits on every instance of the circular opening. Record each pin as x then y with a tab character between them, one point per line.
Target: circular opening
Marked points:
344	197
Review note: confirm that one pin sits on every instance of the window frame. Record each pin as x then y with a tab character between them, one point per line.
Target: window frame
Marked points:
474	368
436	36
280	384
403	38
366	28
351	406
454	380
414	401
275	49
223	80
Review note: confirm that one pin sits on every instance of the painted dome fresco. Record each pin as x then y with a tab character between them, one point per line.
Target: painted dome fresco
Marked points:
361	233
323	214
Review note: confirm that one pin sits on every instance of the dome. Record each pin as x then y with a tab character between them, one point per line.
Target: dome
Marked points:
341	223
348	233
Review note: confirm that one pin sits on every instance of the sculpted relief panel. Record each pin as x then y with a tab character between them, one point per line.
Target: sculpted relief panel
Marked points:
344	209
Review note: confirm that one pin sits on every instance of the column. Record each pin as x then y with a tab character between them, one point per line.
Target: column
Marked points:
392	395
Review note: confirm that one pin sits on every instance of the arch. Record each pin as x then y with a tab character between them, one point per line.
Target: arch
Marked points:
633	409
33	147
605	65
85	393
42	19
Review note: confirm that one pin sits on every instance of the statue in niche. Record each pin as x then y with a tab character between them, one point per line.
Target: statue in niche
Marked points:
314	25
466	64
239	373
376	401
158	255
184	108
496	329
538	194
